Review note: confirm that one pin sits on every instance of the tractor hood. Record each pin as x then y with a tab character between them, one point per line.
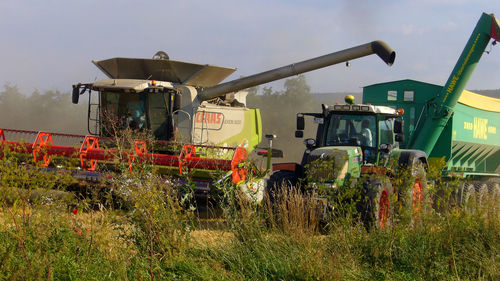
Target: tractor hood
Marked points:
334	163
190	74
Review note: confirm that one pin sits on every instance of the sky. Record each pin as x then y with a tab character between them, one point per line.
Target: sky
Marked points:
49	44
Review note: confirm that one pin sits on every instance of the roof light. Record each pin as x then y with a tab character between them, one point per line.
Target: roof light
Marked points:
400	111
349	99
153	82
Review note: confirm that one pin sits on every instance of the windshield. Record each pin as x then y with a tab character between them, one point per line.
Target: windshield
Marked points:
122	110
347	129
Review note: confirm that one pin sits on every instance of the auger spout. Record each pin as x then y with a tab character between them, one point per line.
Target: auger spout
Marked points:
386	53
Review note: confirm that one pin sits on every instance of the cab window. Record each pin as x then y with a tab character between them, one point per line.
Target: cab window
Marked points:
122	110
386	131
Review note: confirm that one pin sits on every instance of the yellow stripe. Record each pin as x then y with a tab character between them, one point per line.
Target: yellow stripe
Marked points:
479	101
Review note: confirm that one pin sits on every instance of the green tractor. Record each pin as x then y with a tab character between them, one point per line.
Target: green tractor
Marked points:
370	141
355	141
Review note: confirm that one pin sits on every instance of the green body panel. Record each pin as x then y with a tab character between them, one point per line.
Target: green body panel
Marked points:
251	131
393	94
471	139
469	142
197	174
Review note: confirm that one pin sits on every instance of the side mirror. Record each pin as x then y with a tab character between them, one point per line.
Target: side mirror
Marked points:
385	147
310	143
76	94
398	126
400	138
299	134
270	137
300	122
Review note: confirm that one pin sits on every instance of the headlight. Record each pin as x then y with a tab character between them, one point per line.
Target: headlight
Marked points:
254	190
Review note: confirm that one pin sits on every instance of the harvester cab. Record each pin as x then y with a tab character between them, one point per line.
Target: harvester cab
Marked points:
160	95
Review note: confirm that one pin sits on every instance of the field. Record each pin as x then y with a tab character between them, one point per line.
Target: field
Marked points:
138	228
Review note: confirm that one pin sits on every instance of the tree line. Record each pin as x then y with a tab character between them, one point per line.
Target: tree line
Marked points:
48	111
53	111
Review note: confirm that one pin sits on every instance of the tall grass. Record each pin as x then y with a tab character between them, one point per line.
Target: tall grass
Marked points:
52	235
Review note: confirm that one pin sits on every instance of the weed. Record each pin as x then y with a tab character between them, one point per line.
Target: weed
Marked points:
43	237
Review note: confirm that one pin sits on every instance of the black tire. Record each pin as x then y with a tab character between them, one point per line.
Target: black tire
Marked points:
494	194
494	191
279	181
481	193
478	192
412	195
466	194
377	210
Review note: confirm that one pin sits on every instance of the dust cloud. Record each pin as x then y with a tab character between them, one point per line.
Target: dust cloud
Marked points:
50	111
279	110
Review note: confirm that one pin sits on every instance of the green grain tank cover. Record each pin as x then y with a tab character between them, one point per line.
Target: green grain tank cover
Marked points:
470	141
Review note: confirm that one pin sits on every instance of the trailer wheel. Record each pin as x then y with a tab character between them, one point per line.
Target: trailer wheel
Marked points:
494	192
378	210
466	193
477	193
481	193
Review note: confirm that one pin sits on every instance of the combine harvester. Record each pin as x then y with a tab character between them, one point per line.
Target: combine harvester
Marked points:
202	128
371	141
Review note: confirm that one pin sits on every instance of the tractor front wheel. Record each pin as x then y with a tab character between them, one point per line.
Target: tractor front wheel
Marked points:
377	207
417	188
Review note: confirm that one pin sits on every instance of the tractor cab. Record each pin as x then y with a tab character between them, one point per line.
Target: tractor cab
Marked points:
374	129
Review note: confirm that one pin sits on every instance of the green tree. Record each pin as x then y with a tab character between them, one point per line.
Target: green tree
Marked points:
279	110
48	111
